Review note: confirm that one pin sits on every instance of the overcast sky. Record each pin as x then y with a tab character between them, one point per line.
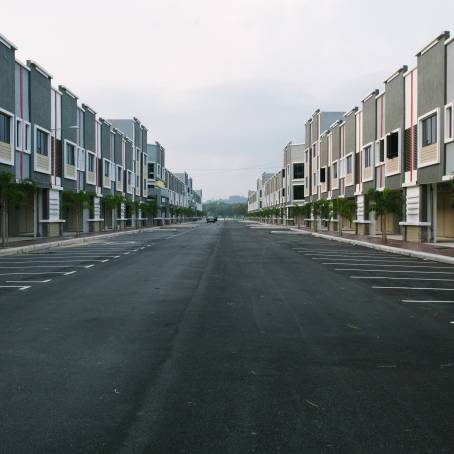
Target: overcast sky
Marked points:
223	85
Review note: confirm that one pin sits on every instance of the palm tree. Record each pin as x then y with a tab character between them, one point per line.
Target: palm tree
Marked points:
383	203
77	201
11	193
345	208
111	203
307	211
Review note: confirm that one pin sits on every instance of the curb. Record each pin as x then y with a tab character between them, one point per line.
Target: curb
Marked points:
382	247
73	241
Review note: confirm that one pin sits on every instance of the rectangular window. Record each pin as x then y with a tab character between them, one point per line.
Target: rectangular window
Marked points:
334	170
298	170
107	169
349	164
382	151
367	156
283	173
151	170
429	130
27	137
19	134
323	175
449	126
5	128
392	145
42	142
91	162
119	174
298	192
70	154
283	192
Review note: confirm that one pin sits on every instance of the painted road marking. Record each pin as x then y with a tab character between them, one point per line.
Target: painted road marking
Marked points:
427	301
29	282
20	287
405	266
418	288
41	266
51	261
367	260
402	278
33	273
393	271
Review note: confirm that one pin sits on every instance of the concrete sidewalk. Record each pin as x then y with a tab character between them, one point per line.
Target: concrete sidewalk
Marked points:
423	251
41	245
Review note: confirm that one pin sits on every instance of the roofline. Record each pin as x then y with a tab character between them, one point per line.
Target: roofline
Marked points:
370	95
429	46
402	70
67	90
355	109
87	107
39	68
4	40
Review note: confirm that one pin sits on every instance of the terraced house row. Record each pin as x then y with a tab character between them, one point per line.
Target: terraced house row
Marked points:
50	137
400	137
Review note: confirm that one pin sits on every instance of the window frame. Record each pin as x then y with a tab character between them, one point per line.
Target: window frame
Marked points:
67	144
91	154
11	137
447	126
298	186
422	118
397	131
303	170
49	150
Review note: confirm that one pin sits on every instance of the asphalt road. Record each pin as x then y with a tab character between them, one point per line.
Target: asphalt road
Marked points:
225	339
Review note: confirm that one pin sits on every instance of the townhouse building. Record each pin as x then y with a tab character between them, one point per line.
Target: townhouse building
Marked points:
49	137
400	138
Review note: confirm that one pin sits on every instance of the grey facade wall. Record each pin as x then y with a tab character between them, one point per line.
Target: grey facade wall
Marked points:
350	134
118	147
105	141
395	119
431	95
128	155
336	142
40	115
68	119
90	130
324	151
7	65
369	120
137	135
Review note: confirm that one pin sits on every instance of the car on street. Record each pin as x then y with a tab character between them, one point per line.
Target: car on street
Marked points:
211	219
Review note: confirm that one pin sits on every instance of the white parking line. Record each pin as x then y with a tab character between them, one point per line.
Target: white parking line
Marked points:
33	273
401	266
426	301
41	266
393	271
51	261
344	254
20	287
29	282
418	288
366	260
402	278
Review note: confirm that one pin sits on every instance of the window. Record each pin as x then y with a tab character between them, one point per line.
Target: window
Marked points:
19	134
392	145
334	170
449	123
107	169
298	192
323	175
151	170
314	151
314	179
91	162
298	170
5	128
42	142
429	130
283	192
119	174
349	164
382	151
70	154
27	137
367	156
129	179
283	173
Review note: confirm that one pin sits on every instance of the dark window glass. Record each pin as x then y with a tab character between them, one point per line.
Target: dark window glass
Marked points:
70	155
429	130
392	146
298	170
298	192
323	175
382	150
41	142
5	129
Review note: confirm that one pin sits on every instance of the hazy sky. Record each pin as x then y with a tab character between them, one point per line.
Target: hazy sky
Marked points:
223	85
